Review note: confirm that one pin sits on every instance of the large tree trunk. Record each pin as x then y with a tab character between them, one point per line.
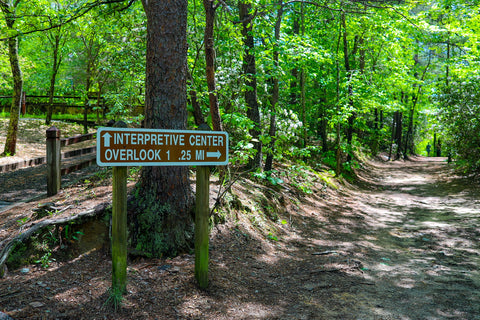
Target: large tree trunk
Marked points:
210	63
250	72
11	141
163	221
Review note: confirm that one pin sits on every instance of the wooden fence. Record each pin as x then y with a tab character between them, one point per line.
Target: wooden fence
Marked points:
65	155
54	157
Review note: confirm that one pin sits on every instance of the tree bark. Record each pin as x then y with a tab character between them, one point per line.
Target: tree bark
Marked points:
163	223
250	73
11	141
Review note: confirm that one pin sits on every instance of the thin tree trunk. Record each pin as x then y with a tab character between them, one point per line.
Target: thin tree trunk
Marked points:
11	141
250	73
99	98
349	70
55	66
447	67
210	63
197	111
393	136
376	133
294	72
302	83
322	121
338	151
398	134
275	91
408	141
303	108
87	101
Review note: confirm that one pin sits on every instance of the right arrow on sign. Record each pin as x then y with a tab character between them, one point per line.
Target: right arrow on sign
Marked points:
215	154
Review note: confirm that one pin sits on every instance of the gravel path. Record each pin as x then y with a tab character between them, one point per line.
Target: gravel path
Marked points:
30	182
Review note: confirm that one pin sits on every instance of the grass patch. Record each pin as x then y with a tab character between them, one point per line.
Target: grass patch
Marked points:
115	298
56	116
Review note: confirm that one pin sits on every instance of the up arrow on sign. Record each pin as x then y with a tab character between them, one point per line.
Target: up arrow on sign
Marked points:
106	139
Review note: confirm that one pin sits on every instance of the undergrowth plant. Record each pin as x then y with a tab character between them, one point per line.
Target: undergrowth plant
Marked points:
115	298
46	260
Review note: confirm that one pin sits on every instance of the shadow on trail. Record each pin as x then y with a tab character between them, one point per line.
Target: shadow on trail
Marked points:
395	250
403	245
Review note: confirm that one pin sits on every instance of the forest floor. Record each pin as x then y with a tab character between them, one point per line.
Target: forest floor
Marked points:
399	243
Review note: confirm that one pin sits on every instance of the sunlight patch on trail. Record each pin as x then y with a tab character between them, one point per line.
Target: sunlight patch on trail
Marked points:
406	180
420	240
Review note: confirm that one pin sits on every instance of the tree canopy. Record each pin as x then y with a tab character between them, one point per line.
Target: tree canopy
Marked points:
303	80
343	67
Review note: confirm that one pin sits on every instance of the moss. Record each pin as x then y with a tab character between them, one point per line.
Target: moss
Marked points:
329	181
150	240
18	256
155	230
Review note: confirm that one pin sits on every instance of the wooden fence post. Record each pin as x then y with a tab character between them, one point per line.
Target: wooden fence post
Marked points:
119	226
53	161
202	217
24	103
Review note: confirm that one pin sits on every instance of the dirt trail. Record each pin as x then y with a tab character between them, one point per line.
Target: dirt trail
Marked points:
402	243
418	241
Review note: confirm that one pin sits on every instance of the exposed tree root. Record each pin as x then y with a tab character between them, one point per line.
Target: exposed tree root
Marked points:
22	236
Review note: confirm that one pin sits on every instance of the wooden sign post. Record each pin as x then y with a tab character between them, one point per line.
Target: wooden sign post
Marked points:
202	216
119	226
120	147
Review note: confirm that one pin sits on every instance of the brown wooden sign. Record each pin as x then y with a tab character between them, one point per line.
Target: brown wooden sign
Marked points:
158	147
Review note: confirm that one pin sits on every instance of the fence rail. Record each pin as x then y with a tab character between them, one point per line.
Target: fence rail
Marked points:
65	155
76	139
22	164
